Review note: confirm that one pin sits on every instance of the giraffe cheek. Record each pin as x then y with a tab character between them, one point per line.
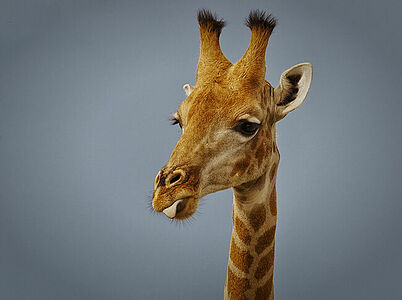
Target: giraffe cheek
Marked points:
240	166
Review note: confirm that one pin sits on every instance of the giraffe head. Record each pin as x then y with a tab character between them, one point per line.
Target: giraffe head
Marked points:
227	120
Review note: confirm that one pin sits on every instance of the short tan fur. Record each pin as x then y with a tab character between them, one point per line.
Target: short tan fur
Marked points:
229	141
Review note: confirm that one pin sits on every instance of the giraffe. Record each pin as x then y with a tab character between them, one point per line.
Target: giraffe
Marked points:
229	141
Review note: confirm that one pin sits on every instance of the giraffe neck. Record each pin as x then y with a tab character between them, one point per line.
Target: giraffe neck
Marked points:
251	253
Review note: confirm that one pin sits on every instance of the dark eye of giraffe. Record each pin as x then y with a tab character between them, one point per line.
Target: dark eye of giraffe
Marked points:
247	128
175	121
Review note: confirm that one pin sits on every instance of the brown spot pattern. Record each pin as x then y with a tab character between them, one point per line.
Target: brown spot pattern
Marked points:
257	216
240	166
242	231
264	265
265	240
264	292
241	259
272	202
237	286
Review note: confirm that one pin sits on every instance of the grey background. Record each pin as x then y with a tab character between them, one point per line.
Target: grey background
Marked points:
86	89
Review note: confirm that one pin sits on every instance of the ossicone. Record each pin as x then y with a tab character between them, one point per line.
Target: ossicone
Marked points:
212	63
251	67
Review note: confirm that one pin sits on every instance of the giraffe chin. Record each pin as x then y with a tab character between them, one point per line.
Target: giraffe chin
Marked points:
182	209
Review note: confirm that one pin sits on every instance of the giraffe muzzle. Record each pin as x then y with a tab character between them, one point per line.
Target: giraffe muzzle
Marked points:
176	191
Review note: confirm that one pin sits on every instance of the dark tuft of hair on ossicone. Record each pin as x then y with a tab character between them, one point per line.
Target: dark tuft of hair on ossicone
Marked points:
259	19
210	21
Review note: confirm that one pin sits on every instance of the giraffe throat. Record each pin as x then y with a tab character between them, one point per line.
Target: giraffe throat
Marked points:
251	252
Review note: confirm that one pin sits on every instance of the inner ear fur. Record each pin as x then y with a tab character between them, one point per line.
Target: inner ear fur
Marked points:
293	87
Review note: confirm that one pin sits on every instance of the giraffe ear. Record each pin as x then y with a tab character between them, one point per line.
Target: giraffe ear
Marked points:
293	87
188	88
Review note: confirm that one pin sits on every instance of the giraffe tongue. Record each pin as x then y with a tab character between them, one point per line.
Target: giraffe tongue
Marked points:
171	210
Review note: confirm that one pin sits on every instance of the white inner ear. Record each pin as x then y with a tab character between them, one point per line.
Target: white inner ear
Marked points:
188	88
306	72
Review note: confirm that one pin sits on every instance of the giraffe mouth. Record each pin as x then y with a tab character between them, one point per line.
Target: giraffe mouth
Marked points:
182	208
175	208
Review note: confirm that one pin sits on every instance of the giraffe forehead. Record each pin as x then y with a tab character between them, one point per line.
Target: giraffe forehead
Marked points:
215	107
229	99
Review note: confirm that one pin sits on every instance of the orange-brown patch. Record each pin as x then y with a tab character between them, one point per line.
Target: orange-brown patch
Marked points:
242	232
265	240
264	265
241	259
237	286
264	291
240	166
257	216
272	202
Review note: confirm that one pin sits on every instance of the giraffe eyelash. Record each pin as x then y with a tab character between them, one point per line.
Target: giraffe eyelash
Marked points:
174	121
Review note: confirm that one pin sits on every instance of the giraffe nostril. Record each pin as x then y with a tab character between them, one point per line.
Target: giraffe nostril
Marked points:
175	178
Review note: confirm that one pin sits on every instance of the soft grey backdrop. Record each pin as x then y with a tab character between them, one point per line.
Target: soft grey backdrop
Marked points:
86	89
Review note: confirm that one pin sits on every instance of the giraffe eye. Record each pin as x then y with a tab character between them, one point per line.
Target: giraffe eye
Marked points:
247	128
